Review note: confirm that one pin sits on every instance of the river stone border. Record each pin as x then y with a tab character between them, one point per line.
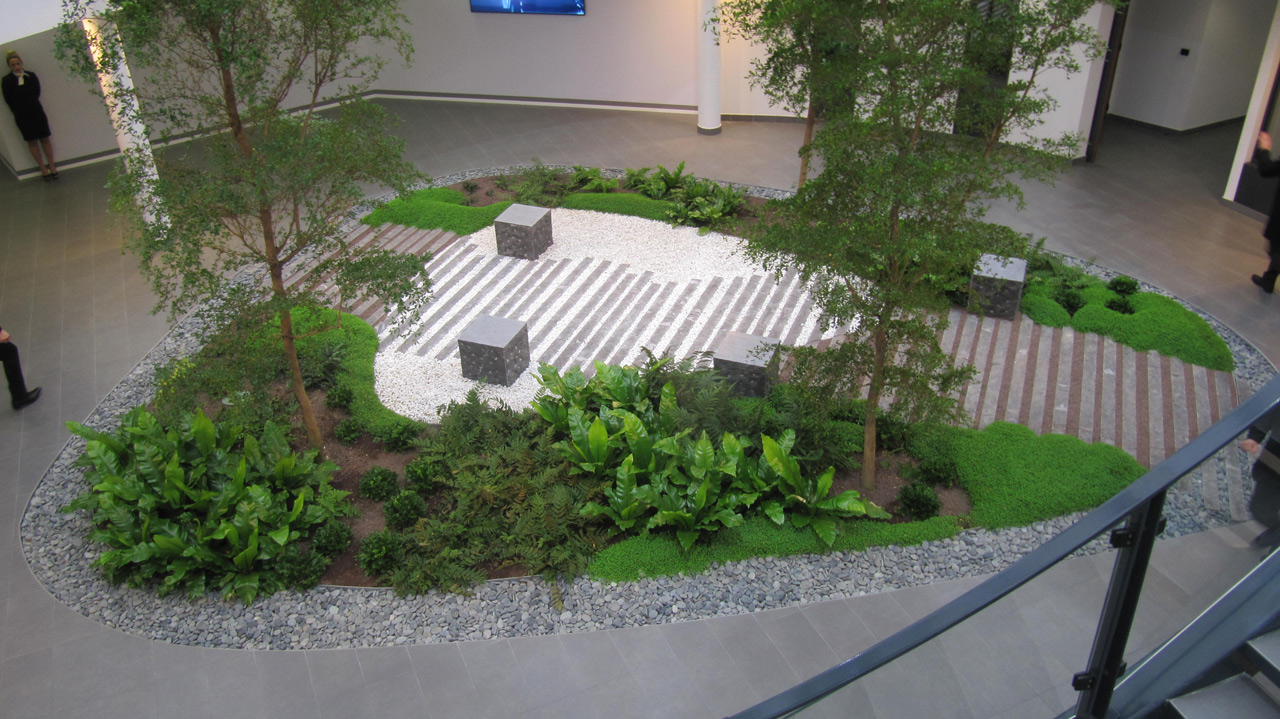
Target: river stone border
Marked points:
59	553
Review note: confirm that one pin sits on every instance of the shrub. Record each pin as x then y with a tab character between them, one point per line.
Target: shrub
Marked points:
919	501
301	570
933	447
1123	285
379	484
404	510
1071	300
381	553
349	430
321	361
339	397
332	538
1120	304
400	435
199	505
842	441
426	473
470	187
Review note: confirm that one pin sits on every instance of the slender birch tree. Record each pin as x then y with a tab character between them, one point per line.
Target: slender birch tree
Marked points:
283	147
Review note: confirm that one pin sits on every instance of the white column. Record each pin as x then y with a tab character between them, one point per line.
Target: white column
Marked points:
708	71
131	133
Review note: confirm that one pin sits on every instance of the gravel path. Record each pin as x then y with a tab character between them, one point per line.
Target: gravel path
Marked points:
59	554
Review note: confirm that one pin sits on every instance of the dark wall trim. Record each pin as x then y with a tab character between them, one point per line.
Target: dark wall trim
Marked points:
1243	209
1170	131
63	163
520	99
762	118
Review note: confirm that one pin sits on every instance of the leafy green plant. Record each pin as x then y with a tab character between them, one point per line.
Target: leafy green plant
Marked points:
540	185
804	499
470	187
583	176
634	179
381	553
502	182
427	472
349	430
379	484
601	184
332	538
404	509
919	501
199	505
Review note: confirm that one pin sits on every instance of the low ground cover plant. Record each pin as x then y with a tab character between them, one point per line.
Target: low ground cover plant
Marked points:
237	377
669	195
200	506
1059	296
436	207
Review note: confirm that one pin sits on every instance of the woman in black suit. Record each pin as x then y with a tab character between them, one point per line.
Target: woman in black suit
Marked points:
22	95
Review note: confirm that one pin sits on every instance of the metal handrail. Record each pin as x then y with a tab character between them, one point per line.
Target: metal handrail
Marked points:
1139	494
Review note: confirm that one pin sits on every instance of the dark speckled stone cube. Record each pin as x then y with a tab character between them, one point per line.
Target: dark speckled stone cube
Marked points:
494	350
996	287
523	231
750	362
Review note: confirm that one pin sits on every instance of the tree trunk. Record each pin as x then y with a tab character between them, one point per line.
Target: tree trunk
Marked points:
878	341
299	387
810	120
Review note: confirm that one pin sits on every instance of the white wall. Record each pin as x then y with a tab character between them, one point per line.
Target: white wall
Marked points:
77	118
1157	85
1074	95
1233	41
620	51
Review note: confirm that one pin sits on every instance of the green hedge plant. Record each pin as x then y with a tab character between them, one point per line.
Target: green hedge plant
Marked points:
200	506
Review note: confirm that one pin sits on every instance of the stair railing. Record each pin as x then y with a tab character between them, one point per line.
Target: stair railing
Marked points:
1139	505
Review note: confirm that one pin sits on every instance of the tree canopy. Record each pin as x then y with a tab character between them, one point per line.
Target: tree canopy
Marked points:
922	128
283	147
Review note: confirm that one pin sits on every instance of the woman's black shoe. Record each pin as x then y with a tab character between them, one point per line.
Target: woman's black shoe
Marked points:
31	398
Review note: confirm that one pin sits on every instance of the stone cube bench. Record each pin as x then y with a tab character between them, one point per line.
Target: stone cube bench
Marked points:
996	287
750	362
523	231
494	349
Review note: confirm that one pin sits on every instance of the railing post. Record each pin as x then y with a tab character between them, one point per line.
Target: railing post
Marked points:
1106	662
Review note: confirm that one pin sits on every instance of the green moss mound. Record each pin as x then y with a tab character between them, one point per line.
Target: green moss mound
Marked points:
1015	477
1157	323
436	208
621	204
657	555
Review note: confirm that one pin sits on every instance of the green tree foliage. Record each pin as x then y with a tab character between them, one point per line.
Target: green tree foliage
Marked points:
917	138
271	179
801	48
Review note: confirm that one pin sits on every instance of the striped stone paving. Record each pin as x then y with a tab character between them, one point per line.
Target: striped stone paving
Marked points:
1053	380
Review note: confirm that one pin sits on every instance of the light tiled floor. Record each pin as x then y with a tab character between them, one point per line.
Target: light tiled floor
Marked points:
79	312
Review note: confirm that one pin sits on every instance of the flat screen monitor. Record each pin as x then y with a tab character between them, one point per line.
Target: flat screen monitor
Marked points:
542	7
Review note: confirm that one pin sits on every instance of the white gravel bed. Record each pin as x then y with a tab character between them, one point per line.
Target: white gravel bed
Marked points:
673	254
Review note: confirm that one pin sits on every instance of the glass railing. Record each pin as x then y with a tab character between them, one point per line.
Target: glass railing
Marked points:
1030	642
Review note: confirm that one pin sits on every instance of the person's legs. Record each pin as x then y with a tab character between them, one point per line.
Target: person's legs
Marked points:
13	371
1267	280
33	146
47	145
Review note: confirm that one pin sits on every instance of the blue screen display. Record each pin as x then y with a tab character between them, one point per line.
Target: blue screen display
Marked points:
544	7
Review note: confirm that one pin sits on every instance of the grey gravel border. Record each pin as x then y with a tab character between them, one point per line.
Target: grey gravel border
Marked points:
60	555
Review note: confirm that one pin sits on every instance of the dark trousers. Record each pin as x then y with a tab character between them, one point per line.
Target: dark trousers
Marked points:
13	371
1273	267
